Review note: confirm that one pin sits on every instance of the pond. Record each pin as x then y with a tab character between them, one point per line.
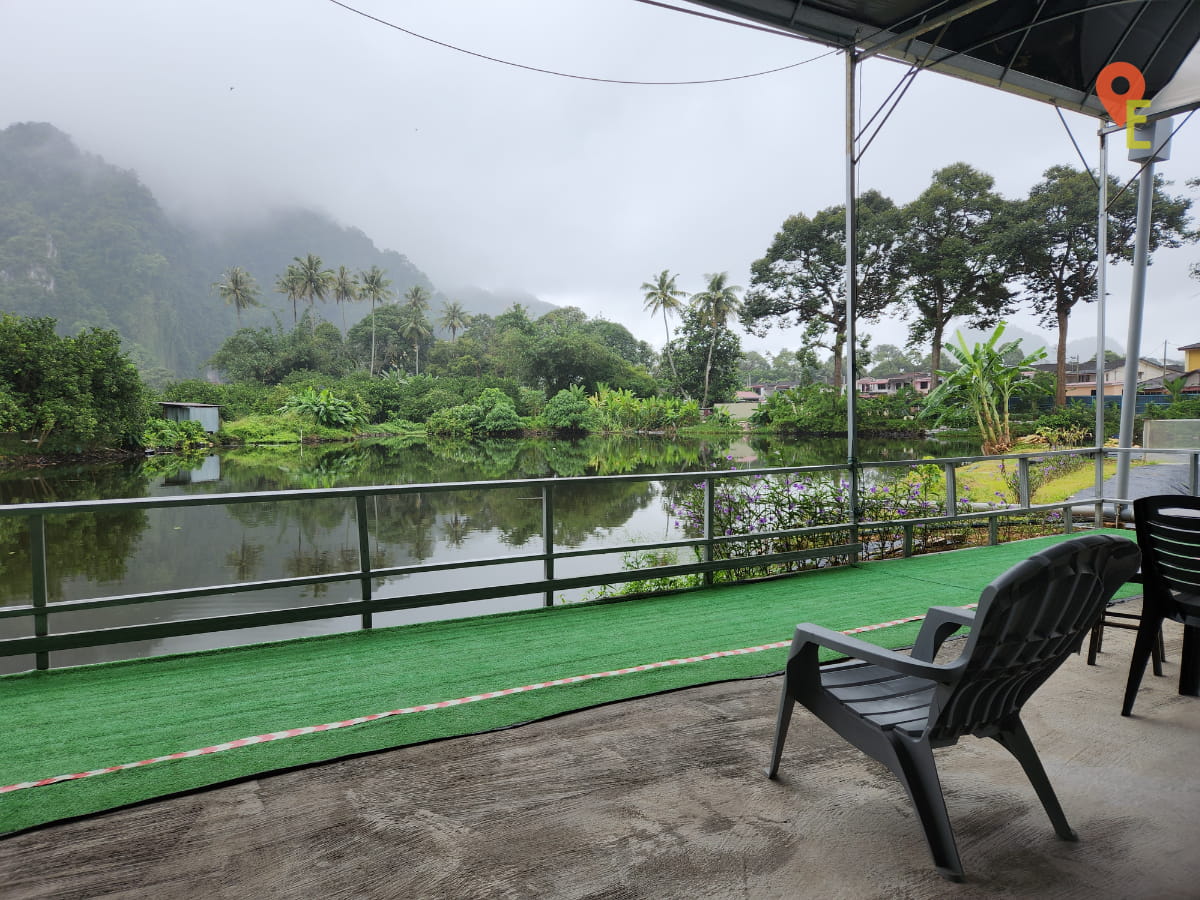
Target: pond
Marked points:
132	551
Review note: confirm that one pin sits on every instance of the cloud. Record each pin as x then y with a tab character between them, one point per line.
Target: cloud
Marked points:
480	173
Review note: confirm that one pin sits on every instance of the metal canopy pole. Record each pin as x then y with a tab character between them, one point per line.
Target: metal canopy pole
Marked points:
1133	344
851	292
1101	289
1101	294
1152	144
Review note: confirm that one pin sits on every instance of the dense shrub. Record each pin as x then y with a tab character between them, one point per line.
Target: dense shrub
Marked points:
569	410
819	409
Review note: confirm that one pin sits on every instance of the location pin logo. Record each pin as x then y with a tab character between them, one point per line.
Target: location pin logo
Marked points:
1117	102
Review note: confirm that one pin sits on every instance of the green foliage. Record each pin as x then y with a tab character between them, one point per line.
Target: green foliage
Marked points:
323	408
985	384
819	409
949	260
706	358
68	394
1074	423
569	410
622	410
1181	409
801	281
754	506
279	430
456	422
165	434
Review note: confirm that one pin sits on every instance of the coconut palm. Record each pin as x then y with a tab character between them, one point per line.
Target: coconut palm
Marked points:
313	279
715	305
238	289
288	284
417	298
415	327
345	289
454	318
374	287
663	296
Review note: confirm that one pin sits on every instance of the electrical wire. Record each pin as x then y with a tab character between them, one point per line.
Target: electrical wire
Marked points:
528	68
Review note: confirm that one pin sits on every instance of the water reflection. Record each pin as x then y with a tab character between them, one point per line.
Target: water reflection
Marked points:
133	551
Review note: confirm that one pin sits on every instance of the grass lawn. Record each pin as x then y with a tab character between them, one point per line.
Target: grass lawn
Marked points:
981	481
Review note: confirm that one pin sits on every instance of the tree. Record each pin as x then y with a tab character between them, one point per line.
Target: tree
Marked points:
1053	241
345	289
313	281
415	327
715	306
68	393
985	384
662	295
892	360
948	260
374	287
802	278
288	284
417	297
454	318
238	289
705	358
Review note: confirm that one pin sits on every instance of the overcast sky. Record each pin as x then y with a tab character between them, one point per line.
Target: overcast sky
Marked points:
484	174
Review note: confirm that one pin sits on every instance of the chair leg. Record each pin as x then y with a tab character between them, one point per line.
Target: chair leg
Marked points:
1096	641
1015	739
786	704
1189	666
1148	633
913	764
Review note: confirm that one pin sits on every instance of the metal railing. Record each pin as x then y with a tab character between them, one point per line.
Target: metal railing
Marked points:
713	551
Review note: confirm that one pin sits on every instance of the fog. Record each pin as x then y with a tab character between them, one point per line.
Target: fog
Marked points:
485	174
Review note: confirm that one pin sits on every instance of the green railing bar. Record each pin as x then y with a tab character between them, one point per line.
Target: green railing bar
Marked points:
40	583
364	554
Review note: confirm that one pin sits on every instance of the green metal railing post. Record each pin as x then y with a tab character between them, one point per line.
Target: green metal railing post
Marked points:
993	530
1023	481
364	555
708	527
1099	521
951	490
548	542
37	555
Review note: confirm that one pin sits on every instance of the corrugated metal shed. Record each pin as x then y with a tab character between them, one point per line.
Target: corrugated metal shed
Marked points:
207	414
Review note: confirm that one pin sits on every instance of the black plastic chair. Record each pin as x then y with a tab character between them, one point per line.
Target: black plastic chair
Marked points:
1129	621
898	708
1168	531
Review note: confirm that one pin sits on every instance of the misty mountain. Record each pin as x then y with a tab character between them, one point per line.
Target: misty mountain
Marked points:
87	243
1030	341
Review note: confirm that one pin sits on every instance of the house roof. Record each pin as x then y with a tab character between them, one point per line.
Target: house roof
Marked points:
1052	52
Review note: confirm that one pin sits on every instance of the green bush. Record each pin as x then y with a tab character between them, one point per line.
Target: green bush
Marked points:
569	410
323	408
164	434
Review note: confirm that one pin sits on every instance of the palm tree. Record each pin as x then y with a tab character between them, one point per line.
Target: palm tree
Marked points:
715	305
238	289
662	295
345	289
415	327
417	298
374	287
288	284
313	279
454	318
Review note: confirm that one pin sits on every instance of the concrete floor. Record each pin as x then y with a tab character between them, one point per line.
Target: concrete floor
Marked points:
663	798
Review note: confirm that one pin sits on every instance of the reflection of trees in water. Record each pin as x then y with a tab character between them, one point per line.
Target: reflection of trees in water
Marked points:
244	560
91	545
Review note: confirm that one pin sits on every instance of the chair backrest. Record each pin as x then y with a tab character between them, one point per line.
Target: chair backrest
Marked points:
1028	621
1168	531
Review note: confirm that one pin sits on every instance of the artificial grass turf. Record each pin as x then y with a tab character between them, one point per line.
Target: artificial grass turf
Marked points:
74	720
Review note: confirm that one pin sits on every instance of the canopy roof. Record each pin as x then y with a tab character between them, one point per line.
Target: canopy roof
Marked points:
1051	50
